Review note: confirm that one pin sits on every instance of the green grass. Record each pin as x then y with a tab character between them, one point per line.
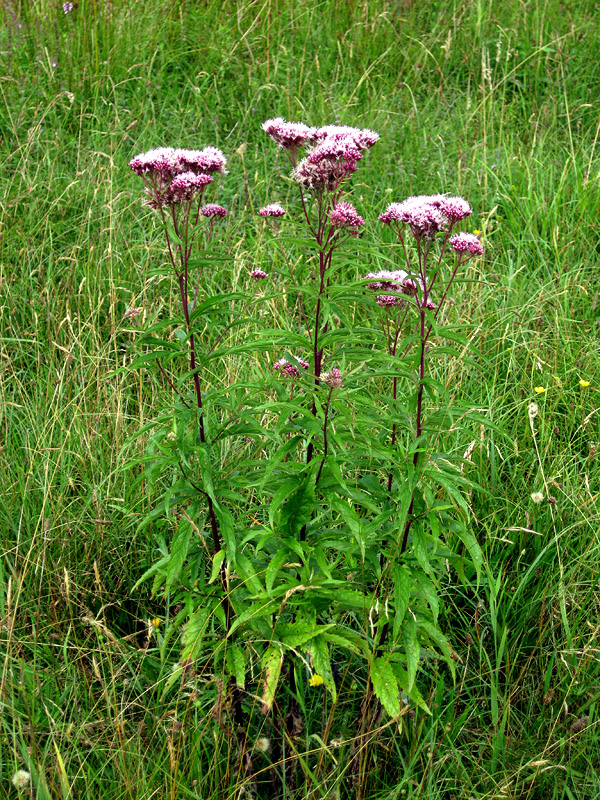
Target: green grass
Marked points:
495	101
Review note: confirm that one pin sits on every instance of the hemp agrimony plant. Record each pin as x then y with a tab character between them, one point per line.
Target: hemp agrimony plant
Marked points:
306	514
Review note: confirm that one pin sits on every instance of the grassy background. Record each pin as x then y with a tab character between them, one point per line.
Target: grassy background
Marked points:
495	101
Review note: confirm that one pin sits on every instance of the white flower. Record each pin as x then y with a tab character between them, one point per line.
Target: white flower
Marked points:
21	779
263	744
537	497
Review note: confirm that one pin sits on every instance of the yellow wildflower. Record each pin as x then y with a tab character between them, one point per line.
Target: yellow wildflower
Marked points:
156	622
539	389
316	680
476	232
584	383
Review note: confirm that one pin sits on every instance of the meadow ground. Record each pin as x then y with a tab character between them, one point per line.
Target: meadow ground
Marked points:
496	101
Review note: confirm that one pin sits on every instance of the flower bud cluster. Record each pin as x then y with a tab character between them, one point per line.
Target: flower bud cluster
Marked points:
176	175
213	210
394	281
427	215
333	378
286	368
272	210
343	215
466	242
334	153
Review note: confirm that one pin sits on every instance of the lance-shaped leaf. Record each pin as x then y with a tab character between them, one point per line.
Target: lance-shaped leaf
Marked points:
385	685
272	661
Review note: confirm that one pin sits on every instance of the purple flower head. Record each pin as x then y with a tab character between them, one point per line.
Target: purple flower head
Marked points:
289	134
326	175
286	368
422	214
67	7
333	148
258	275
466	242
210	160
344	215
184	186
430	305
363	138
159	160
333	378
455	208
272	210
393	281
386	300
213	210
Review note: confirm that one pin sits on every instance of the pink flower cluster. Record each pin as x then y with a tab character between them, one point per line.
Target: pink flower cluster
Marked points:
393	281
213	210
258	274
343	215
184	186
67	7
427	215
333	378
176	175
289	135
289	369
335	151
466	242
272	210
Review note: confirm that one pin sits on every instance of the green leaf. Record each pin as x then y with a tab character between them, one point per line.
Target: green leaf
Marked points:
420	548
412	649
385	685
236	664
271	663
402	587
321	663
256	611
298	507
473	548
276	563
350	517
246	571
442	642
227	531
295	634
414	694
216	565
193	634
178	552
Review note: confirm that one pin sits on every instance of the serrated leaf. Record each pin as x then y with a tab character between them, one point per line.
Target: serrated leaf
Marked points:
272	661
236	664
216	565
442	642
414	694
321	663
227	531
428	590
295	634
246	571
420	549
412	649
256	611
298	507
385	685
473	549
402	588
276	563
193	633
178	552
